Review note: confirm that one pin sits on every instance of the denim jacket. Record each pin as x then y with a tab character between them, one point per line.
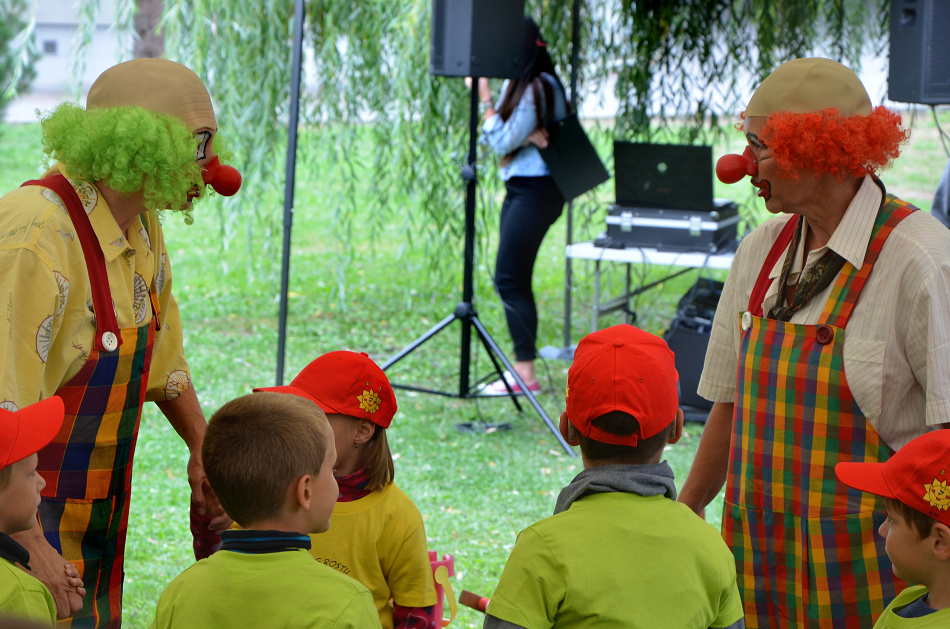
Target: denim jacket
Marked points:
505	137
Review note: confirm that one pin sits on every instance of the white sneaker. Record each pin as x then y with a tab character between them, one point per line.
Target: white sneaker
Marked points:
498	387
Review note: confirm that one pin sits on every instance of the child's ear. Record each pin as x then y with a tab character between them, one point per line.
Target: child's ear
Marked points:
303	491
364	432
568	431
940	536
676	429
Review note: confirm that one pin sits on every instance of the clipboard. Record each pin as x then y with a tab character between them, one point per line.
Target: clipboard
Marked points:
574	164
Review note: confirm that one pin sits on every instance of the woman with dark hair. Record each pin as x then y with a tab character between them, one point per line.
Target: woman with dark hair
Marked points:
515	127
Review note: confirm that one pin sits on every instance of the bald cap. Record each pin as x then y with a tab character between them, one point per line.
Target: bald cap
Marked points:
158	85
803	86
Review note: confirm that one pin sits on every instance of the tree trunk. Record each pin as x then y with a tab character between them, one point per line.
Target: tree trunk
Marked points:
148	42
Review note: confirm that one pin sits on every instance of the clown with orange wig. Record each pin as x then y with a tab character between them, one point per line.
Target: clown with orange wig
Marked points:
831	343
89	315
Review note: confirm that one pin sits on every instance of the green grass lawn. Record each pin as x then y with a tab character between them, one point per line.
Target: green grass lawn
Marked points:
475	491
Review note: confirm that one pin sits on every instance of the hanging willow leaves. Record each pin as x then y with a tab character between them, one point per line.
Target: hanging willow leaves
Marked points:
18	52
386	139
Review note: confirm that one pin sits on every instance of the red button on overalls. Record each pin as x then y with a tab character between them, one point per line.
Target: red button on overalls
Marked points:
825	334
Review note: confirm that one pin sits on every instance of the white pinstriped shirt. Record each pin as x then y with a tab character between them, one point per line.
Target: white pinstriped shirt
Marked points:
897	343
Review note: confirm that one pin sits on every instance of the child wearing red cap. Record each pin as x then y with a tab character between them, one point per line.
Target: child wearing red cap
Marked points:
619	551
912	485
376	533
22	434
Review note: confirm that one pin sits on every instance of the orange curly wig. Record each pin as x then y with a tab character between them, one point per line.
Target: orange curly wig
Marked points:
822	143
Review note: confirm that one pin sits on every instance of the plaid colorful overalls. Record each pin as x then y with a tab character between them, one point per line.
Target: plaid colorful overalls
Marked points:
88	466
806	547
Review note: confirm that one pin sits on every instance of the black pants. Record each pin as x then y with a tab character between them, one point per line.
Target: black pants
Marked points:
531	206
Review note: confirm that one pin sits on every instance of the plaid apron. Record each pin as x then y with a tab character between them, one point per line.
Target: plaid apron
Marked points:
88	466
807	553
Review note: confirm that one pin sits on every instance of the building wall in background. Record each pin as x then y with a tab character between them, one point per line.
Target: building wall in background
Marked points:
56	35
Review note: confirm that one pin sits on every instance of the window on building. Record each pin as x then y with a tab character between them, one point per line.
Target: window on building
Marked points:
49	46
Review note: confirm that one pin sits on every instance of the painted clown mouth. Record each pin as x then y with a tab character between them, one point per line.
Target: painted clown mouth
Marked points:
765	188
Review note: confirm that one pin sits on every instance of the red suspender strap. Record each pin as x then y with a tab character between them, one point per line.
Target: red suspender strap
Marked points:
152	295
107	337
762	283
878	237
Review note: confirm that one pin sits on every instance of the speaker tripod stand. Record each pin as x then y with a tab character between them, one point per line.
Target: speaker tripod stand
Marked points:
465	311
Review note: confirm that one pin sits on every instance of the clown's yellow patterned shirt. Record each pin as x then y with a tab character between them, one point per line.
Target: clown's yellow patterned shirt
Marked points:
46	319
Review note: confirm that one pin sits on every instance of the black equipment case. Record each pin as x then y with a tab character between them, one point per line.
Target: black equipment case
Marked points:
674	230
688	338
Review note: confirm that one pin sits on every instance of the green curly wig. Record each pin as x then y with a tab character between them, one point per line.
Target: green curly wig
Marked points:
128	149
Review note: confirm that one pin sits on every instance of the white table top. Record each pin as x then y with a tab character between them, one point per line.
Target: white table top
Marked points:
588	251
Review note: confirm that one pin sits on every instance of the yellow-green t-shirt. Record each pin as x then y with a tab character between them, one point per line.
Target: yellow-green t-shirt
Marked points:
889	619
380	541
24	596
619	560
278	589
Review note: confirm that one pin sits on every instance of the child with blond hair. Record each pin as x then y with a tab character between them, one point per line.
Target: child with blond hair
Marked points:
22	434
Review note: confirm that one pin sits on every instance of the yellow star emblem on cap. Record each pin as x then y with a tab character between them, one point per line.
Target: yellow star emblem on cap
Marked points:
937	495
369	400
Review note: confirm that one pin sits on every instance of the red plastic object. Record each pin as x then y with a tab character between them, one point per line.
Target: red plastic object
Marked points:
442	570
732	168
470	599
225	180
205	542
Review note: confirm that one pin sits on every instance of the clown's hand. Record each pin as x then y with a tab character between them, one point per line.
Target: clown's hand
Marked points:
48	566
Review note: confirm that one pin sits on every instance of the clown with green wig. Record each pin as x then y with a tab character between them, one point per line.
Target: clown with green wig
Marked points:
89	315
830	344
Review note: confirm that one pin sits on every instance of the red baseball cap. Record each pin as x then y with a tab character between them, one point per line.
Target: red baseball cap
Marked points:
622	368
29	430
348	383
916	475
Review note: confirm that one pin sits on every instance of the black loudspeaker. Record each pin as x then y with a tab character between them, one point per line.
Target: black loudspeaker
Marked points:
688	338
477	38
920	52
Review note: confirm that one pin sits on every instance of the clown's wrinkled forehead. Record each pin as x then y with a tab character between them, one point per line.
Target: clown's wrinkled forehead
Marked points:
157	85
804	86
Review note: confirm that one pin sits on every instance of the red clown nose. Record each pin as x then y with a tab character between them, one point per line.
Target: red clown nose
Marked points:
732	168
225	180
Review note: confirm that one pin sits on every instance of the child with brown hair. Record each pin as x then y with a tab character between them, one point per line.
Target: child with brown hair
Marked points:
269	459
22	434
376	533
912	485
